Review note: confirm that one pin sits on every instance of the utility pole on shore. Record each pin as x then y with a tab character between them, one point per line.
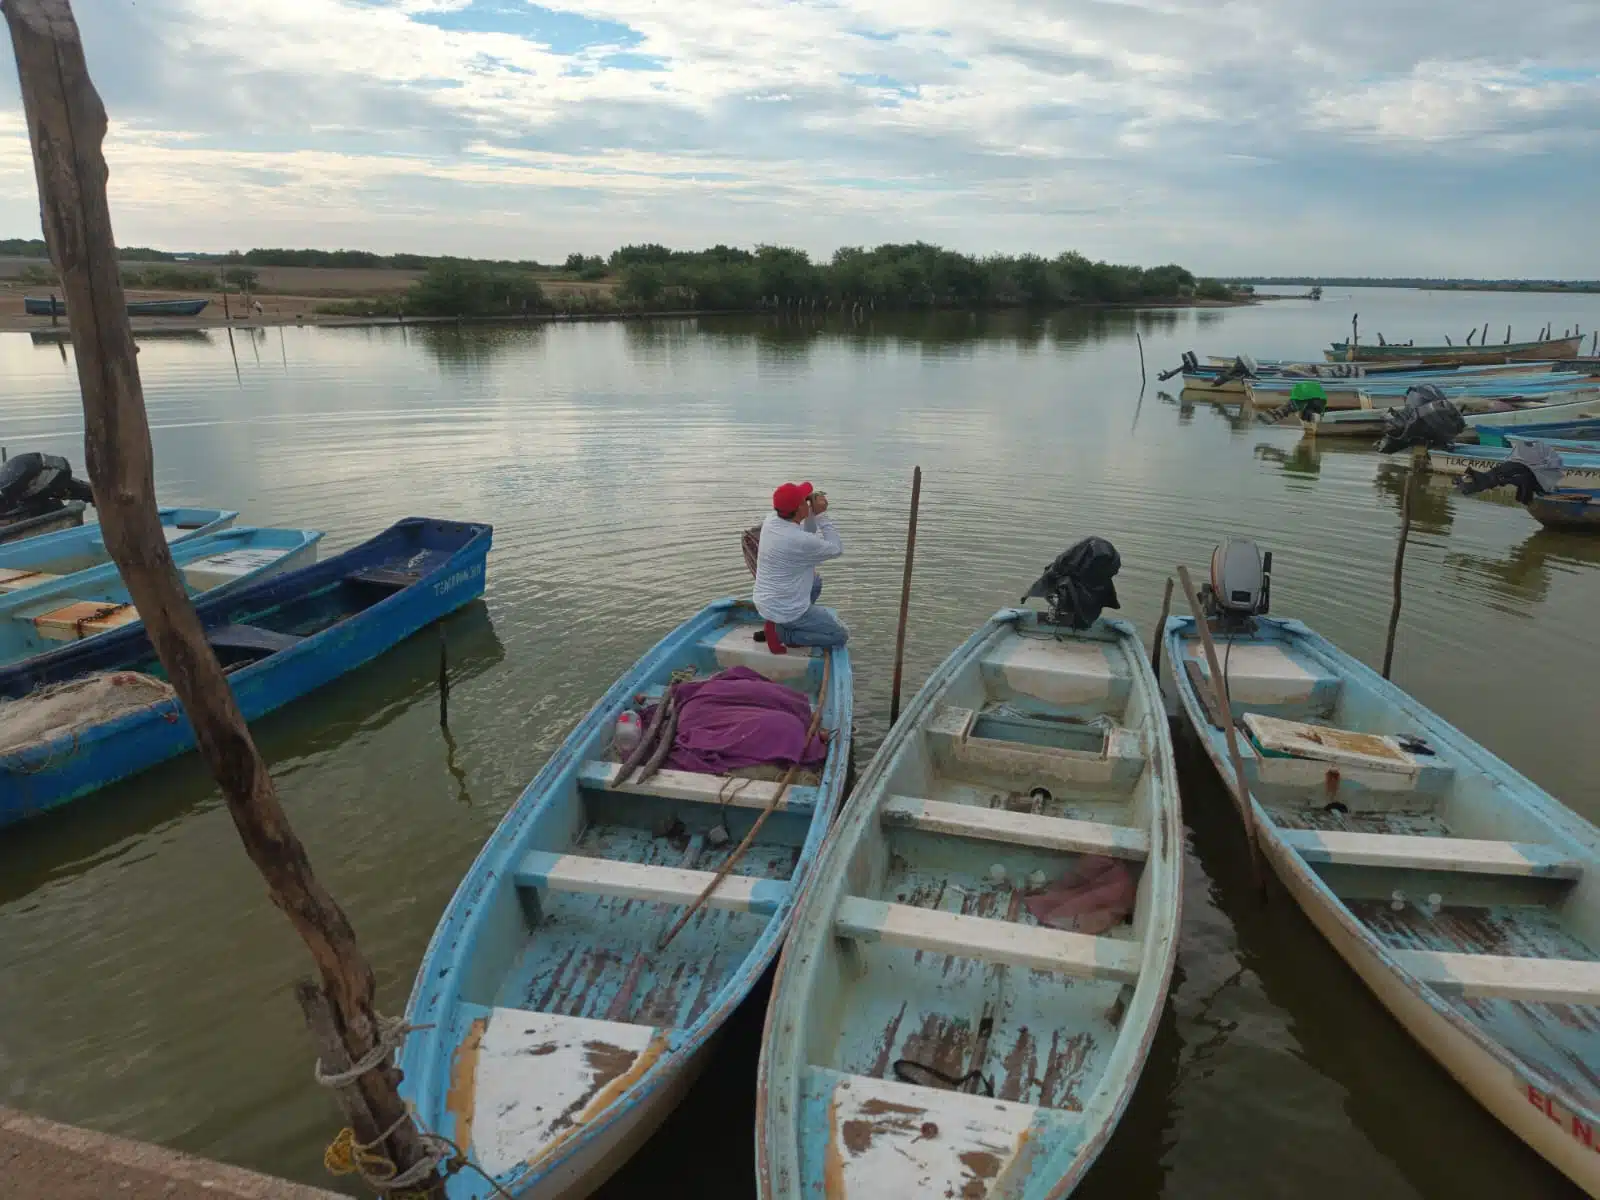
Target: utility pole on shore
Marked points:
66	128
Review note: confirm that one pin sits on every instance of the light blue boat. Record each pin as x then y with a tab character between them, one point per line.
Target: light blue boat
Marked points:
552	1031
78	549
1457	459
43	612
277	639
1562	446
1462	894
927	1036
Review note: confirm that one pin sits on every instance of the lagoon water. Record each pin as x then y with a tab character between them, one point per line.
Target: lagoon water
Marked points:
145	978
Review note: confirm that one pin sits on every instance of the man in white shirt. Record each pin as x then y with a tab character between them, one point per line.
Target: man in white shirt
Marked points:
796	538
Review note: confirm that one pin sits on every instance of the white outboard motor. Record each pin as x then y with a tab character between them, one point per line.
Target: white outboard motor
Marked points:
1241	583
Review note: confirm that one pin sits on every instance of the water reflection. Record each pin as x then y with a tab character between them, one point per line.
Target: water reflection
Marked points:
1303	460
1432	496
1527	571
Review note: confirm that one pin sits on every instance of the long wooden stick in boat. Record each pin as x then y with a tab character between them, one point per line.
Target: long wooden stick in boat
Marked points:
1220	691
777	797
905	595
1161	630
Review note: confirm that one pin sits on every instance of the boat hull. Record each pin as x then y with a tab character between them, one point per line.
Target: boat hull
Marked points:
1459	462
68	516
1573	509
1552	349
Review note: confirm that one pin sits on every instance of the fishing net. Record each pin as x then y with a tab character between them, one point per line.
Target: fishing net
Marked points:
65	708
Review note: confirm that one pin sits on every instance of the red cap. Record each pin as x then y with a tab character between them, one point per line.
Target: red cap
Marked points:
790	497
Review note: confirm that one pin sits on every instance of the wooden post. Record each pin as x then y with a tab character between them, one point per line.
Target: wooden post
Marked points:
1219	689
1161	630
1143	378
67	126
905	595
1355	327
1508	335
52	308
1418	455
1484	340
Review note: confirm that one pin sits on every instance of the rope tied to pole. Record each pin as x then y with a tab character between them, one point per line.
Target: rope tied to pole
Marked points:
392	1033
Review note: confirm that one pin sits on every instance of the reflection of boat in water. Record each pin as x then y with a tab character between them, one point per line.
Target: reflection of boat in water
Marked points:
62	334
1526	572
40	306
1303	459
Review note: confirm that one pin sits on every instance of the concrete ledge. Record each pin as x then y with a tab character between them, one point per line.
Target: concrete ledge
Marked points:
45	1160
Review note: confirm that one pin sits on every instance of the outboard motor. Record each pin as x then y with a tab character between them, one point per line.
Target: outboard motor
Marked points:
1241	585
1427	418
1190	363
1077	586
1532	468
33	484
1242	367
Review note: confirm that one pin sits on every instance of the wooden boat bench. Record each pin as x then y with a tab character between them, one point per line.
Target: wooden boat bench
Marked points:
1064	674
1015	828
14	579
546	870
76	619
720	790
1499	977
735	646
1267	676
956	747
388	579
1035	947
1413	853
250	639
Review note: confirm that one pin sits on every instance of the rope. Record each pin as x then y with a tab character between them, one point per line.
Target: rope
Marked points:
392	1032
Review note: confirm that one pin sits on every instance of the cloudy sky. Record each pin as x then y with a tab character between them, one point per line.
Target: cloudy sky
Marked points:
1238	136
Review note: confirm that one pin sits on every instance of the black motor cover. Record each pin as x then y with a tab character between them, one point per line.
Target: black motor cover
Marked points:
32	484
1077	586
1427	418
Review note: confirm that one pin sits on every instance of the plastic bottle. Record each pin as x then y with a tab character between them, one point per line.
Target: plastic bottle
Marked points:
629	730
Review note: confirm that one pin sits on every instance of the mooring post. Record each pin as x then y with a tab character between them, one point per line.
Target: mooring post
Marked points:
1143	378
905	595
52	308
1419	456
1161	630
66	128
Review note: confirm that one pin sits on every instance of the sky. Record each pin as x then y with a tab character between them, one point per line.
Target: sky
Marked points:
1369	137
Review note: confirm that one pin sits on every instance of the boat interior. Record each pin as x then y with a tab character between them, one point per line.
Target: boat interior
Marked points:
1032	760
1477	883
566	954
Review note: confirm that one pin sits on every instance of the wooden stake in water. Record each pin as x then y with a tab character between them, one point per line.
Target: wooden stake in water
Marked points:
905	595
1418	457
66	127
1143	378
1161	630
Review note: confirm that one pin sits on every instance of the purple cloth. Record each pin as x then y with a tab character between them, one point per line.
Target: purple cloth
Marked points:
737	719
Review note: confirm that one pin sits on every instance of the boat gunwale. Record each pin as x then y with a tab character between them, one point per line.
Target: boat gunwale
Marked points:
437	996
1166	850
1565	826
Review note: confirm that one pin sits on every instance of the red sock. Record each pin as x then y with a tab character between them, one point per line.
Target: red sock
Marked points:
774	642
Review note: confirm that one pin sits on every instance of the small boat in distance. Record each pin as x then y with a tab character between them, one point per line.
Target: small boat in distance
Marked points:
1460	893
83	546
930	1034
39	306
553	1030
1549	348
277	640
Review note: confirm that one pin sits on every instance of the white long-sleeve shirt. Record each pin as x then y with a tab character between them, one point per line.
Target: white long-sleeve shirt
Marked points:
787	565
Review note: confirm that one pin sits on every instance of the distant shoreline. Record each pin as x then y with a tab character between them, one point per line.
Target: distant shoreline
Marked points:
1553	287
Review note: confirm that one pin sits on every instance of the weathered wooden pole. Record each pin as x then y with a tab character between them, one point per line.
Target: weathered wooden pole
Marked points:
1161	629
905	595
1419	457
66	127
1144	379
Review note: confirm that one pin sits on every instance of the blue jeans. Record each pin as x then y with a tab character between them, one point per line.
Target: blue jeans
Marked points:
817	626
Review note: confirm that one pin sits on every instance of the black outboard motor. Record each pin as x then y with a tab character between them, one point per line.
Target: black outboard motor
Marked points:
1077	586
1241	585
33	484
1190	364
1427	418
1533	469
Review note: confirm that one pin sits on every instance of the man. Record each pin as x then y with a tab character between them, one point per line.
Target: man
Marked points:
796	538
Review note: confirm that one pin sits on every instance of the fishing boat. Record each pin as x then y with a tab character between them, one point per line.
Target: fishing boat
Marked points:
928	1035
1458	459
593	951
1459	892
1573	509
1479	394
1554	415
1547	349
100	710
1491	436
68	516
82	547
37	306
39	611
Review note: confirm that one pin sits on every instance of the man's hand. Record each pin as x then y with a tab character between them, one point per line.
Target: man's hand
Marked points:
819	503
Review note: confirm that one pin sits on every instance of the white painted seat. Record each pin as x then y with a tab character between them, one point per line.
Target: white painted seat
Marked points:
956	748
720	790
525	1082
736	646
1265	674
1408	852
1498	977
888	1140
1067	672
638	881
1033	946
14	579
1015	828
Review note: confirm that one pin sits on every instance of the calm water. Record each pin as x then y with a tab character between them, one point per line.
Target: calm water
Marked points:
145	979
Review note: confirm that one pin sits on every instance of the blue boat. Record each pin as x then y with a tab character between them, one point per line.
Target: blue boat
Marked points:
1576	510
82	547
1502	437
277	639
39	306
1458	459
928	1035
552	1031
38	612
1461	893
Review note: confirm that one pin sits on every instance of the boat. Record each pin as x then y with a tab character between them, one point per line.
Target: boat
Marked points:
82	547
38	306
1549	348
1458	459
68	516
1460	892
552	1030
1498	437
1563	413
926	1035
39	611
1479	393
1573	509
278	639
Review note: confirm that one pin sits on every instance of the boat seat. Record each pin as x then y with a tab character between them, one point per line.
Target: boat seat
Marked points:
1412	853
229	566
80	619
1033	946
523	1081
887	1138
1498	977
1066	673
384	577
1370	767
736	646
14	579
955	747
1267	675
250	639
658	885
731	791
1015	828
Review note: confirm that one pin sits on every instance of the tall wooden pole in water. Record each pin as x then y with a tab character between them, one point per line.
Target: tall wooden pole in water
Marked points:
66	126
905	595
1418	457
